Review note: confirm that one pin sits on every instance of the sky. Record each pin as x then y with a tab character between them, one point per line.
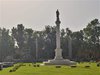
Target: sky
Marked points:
36	14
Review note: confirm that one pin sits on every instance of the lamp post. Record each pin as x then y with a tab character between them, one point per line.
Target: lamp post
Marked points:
36	49
70	47
98	26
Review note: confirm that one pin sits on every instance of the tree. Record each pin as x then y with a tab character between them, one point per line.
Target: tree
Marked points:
6	44
18	34
50	42
92	36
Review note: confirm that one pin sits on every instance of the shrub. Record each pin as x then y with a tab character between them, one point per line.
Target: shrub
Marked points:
87	66
38	65
34	65
73	66
58	66
98	64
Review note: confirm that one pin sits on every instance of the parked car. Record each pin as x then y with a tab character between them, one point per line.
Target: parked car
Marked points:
1	66
8	64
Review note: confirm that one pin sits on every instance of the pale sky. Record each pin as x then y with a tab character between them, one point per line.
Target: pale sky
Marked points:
35	14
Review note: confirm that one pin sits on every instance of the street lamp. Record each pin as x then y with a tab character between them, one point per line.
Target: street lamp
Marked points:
37	47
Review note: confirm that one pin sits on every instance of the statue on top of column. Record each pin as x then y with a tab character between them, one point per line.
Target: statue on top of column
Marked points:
57	15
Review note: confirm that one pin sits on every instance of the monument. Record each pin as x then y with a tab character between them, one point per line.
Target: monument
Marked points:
58	60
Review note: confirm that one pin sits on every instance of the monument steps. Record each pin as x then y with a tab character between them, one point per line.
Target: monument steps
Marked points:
60	62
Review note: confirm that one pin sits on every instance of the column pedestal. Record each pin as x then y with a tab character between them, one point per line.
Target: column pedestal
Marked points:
58	54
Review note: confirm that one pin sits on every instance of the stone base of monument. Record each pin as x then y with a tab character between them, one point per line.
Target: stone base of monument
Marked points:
60	62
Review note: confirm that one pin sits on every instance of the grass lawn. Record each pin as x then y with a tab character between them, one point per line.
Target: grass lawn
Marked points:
52	70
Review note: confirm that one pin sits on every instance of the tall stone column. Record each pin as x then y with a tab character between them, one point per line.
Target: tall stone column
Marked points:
58	50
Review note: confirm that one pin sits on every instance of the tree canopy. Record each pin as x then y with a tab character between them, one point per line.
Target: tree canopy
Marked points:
85	43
